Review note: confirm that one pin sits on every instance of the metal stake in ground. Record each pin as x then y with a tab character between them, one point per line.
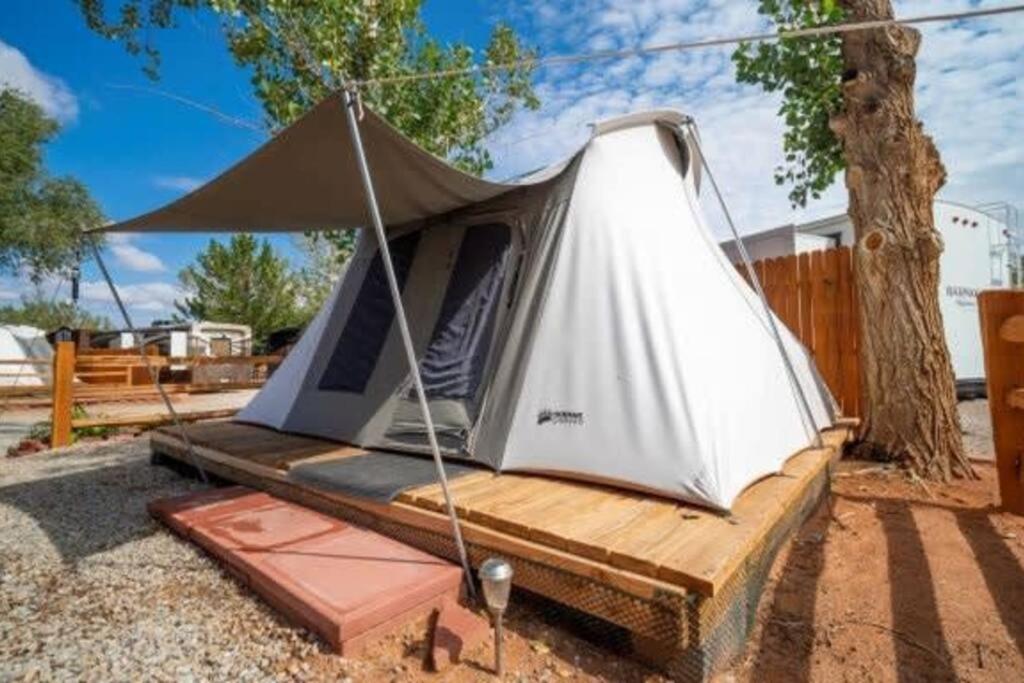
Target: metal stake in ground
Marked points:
153	372
691	127
350	101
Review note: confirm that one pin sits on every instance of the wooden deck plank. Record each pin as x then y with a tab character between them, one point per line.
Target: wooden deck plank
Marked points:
497	506
403	513
638	548
529	516
706	557
584	532
431	497
647	538
266	446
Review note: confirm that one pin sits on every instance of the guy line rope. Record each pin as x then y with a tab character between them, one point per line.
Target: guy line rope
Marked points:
785	34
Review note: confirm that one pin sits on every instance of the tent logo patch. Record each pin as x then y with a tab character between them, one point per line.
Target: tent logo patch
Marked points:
559	417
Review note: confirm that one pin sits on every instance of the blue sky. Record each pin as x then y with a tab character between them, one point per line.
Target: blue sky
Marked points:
136	151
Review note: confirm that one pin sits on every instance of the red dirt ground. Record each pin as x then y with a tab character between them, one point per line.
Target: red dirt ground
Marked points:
900	581
897	582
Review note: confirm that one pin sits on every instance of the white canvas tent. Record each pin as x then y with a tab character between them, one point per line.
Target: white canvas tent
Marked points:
22	342
582	322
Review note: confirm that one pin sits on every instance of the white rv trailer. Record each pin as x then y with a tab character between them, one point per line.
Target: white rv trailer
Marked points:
199	338
980	253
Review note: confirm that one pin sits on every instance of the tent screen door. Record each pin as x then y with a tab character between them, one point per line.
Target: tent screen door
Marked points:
453	364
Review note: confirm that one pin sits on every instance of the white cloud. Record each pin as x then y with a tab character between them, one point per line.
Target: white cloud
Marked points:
49	92
180	183
970	97
132	257
8	295
143	296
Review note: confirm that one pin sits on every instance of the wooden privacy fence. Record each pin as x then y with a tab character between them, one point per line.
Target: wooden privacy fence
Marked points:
814	295
1002	334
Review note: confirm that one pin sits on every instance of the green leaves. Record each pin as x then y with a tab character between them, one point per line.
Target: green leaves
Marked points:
244	281
41	217
300	51
808	72
49	315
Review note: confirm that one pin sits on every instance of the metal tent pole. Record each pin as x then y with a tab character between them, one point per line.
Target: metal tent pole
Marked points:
350	101
756	282
149	366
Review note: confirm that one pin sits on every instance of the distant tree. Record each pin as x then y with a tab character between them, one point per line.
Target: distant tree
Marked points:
325	261
244	281
49	315
41	217
848	103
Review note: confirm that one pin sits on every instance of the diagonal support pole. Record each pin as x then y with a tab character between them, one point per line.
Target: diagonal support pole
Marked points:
153	372
691	129
351	104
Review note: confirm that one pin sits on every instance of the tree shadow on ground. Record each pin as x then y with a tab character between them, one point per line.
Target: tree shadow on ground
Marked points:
791	615
920	646
921	649
1001	569
89	506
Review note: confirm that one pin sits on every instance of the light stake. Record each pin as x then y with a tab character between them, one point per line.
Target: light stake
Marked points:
496	579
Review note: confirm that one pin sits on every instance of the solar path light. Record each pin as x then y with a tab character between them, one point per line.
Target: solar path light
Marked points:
496	578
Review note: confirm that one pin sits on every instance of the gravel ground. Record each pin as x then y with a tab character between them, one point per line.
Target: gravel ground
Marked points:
976	425
92	589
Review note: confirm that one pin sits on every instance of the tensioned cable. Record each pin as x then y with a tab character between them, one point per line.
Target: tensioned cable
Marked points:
814	31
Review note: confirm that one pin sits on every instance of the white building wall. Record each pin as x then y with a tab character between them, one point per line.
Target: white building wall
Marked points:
778	242
805	243
976	257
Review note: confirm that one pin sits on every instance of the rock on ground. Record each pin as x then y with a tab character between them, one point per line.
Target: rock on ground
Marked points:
976	426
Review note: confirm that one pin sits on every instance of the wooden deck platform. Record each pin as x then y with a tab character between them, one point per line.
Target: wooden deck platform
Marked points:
683	581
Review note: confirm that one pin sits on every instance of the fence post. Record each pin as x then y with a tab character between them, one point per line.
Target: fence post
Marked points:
63	380
1002	334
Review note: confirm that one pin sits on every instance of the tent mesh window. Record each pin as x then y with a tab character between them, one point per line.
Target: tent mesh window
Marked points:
453	365
362	340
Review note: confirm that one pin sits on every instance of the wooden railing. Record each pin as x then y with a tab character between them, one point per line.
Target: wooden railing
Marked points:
105	375
1002	334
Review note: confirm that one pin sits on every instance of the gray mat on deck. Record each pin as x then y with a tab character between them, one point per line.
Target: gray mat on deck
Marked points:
377	476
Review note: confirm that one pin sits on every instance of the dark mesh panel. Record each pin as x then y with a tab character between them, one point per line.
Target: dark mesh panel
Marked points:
359	346
453	364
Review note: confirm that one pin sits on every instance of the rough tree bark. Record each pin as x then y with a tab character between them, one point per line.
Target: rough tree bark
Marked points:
893	172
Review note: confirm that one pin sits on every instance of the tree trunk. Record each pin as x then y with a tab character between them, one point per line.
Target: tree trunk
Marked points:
893	172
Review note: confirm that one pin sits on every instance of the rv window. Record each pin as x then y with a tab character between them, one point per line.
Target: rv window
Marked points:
361	342
453	364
